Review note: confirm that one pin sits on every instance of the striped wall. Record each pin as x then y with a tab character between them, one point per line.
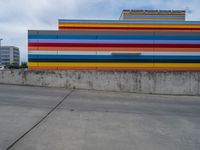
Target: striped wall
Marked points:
116	45
121	25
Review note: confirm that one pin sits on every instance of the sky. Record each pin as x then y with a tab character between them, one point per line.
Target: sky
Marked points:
19	16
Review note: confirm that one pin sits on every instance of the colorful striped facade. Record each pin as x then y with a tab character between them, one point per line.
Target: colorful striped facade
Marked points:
116	45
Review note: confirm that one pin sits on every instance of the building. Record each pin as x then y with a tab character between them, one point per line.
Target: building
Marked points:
139	40
9	55
153	15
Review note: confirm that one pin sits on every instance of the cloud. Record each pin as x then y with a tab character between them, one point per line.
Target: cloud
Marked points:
16	17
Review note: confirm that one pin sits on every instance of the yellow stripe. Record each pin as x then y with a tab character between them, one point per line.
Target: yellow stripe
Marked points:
174	65
135	65
68	64
128	25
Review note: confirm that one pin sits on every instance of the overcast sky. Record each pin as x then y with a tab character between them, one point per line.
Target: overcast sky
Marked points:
17	16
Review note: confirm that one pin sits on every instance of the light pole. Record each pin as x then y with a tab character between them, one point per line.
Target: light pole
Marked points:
0	43
0	50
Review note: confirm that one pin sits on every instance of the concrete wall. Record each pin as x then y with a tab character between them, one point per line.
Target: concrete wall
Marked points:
175	83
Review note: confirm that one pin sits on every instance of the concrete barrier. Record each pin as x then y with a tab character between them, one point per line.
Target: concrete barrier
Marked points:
173	83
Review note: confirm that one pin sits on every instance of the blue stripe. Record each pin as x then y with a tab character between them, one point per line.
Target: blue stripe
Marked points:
86	57
99	57
116	37
115	41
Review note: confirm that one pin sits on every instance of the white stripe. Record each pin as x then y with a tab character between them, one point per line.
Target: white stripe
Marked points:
43	52
63	52
154	53
76	53
178	53
110	53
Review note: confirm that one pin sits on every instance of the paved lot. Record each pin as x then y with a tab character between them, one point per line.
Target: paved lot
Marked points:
35	118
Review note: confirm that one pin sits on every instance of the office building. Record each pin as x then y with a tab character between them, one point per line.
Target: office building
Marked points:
9	55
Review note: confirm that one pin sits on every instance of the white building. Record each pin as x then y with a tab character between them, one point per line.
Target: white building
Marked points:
9	55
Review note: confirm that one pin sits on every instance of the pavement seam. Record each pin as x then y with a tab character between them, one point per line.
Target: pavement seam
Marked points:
41	120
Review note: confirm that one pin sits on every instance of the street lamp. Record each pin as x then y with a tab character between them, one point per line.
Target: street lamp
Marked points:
0	50
0	43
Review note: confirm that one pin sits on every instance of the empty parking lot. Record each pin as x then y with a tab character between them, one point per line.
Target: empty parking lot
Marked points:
51	118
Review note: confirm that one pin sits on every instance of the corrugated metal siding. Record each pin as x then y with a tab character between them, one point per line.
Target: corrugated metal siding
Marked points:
151	26
137	44
116	49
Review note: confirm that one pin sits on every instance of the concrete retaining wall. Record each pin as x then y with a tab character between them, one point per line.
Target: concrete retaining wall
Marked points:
175	83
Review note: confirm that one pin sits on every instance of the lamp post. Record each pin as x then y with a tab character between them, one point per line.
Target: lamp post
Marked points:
0	50
0	43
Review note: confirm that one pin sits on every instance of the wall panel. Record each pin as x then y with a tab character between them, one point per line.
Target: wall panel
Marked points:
116	45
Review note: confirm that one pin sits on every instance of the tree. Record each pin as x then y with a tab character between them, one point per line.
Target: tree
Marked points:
24	65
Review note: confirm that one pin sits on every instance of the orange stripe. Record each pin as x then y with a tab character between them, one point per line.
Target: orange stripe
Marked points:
177	69
76	68
149	68
177	49
135	30
43	67
113	68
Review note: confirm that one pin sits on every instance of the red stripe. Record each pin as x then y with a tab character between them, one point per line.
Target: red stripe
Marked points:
139	28
114	45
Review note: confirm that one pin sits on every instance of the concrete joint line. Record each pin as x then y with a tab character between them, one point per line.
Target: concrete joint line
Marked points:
42	119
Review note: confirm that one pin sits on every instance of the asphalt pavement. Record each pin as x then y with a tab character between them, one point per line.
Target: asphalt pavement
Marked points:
38	118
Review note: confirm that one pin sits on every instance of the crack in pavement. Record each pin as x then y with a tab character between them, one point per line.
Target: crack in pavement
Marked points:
42	119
